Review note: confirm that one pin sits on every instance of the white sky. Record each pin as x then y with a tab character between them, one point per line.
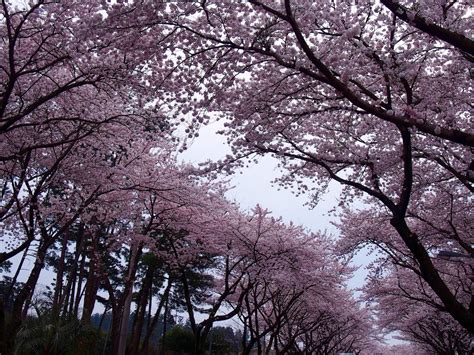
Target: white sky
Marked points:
253	186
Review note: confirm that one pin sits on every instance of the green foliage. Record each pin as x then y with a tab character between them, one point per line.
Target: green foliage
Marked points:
45	335
179	339
224	340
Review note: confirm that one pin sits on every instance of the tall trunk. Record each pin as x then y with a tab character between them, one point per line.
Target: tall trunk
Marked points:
153	323
122	340
244	336
165	320
127	298
197	329
3	344
22	298
92	286
66	298
150	305
115	330
141	310
58	288
80	277
198	341
99	327
209	350
71	297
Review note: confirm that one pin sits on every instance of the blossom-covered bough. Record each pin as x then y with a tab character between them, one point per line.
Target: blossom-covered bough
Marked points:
282	283
404	305
374	95
71	124
61	89
90	180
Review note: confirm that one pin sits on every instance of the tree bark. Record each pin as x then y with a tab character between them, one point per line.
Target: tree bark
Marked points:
92	286
80	277
153	323
432	277
58	288
141	310
165	320
126	299
18	311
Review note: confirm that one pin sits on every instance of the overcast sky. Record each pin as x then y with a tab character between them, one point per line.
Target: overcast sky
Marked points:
254	186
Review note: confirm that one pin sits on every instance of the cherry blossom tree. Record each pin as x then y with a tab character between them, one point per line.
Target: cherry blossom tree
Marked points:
297	302
375	96
71	108
410	309
247	248
98	183
279	279
60	82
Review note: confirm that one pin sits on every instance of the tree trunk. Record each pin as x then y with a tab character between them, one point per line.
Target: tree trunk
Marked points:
99	327
127	298
141	310
432	277
153	323
66	298
58	288
197	341
80	277
18	311
165	320
3	344
92	286
115	330
72	292
150	305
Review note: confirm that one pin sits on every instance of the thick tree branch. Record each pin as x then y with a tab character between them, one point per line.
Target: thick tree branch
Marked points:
457	40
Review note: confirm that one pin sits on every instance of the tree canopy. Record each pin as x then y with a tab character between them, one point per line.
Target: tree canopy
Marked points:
97	100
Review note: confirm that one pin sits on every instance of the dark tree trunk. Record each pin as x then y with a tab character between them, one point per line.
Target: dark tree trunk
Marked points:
80	277
92	286
165	320
71	296
99	327
3	345
150	305
115	330
126	299
58	288
153	323
432	277
67	299
141	310
19	309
